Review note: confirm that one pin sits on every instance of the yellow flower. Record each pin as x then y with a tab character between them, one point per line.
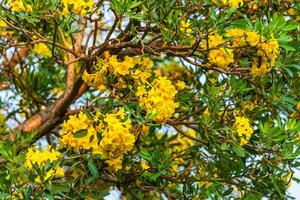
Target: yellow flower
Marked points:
122	68
115	164
3	26
252	38
292	11
237	36
40	157
42	49
144	165
79	123
206	113
214	40
213	81
269	50
159	100
232	3
181	85
80	7
19	6
115	130
185	27
221	57
244	129
260	69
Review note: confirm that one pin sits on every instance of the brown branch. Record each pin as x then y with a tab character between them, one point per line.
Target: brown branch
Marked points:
16	58
182	132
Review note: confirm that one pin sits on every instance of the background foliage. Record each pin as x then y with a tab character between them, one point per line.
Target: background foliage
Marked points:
179	99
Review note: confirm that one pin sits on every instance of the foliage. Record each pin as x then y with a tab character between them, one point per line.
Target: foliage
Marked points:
187	99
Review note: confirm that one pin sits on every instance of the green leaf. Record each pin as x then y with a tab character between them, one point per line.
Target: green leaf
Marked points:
29	192
81	133
240	151
224	146
49	196
291	26
154	176
145	154
93	169
295	66
89	114
287	47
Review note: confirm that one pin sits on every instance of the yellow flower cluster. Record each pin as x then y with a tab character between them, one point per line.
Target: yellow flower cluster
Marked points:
135	67
117	138
75	125
80	7
3	26
241	37
185	27
42	49
231	3
243	129
159	100
267	50
40	157
19	6
218	55
115	130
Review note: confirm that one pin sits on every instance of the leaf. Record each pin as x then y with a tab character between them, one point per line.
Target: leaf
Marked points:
29	192
89	114
295	66
291	26
93	169
287	47
145	154
154	176
81	133
240	151
224	146
285	38
49	196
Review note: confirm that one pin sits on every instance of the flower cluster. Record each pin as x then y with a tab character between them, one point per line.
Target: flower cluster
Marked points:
80	7
135	68
241	37
231	3
80	132
40	157
218	54
185	27
19	6
266	50
159	99
3	26
156	97
243	129
42	49
117	138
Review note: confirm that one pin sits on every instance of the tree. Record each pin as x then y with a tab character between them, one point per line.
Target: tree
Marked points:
187	99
